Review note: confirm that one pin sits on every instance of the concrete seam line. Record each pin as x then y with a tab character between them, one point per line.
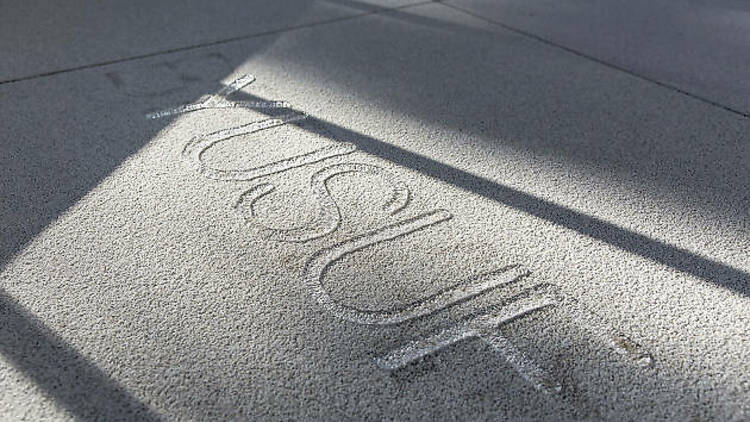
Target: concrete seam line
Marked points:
596	60
211	43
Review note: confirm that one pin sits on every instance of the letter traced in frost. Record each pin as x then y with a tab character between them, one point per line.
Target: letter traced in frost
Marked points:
329	217
317	265
197	146
484	327
220	100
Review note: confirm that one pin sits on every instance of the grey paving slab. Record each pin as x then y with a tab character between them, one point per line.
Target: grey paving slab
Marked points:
572	245
695	45
38	37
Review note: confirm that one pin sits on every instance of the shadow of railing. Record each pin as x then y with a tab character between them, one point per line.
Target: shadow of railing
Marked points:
61	372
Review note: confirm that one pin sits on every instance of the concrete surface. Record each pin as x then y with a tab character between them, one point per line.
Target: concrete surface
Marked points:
42	37
573	244
696	46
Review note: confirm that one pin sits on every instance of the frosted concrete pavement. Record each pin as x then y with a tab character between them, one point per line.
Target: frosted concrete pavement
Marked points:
347	210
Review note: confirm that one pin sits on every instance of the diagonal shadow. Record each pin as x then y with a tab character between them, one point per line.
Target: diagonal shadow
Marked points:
655	250
85	390
442	67
44	174
61	372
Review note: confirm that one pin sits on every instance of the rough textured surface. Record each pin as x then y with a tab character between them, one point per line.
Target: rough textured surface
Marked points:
134	287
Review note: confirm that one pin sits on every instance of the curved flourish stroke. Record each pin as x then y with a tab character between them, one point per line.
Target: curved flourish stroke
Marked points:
323	259
197	146
329	216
